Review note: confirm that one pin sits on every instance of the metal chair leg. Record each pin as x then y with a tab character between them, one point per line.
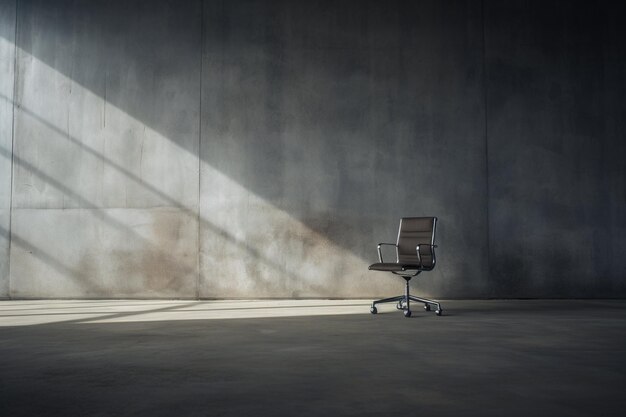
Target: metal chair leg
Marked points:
388	300
427	303
373	308
404	302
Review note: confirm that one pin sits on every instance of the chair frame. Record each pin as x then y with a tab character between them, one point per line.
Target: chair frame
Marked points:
403	301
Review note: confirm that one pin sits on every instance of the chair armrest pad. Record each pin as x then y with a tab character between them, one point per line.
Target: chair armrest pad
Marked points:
380	254
432	252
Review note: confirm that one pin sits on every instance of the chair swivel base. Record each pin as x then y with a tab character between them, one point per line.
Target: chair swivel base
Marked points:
404	300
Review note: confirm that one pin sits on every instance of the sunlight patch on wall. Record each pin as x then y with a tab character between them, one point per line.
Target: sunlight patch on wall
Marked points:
299	262
82	162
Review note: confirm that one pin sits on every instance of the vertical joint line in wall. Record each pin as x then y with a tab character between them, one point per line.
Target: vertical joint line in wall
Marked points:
104	102
485	98
200	149
15	82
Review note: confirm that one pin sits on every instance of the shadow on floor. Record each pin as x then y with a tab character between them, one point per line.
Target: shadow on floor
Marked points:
515	358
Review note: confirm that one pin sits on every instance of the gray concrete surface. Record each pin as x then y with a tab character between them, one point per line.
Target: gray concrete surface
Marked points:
556	120
7	65
105	195
339	119
484	358
146	252
285	139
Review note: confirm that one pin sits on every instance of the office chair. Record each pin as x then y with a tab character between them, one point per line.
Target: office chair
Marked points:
415	252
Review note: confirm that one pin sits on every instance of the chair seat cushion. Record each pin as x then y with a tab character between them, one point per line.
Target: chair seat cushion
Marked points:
388	266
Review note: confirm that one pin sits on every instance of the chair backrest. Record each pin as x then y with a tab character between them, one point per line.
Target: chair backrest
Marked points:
415	231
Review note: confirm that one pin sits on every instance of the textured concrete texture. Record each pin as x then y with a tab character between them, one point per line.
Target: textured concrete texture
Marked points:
256	148
342	118
484	358
556	121
133	252
105	162
7	64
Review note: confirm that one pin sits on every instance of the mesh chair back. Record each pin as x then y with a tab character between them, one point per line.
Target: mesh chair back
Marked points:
416	231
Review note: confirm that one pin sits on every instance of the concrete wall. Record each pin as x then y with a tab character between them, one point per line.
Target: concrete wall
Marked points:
262	148
105	160
322	124
7	64
556	116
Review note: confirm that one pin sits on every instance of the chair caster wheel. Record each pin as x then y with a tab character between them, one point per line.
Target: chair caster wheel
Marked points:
399	306
407	313
373	310
439	311
427	307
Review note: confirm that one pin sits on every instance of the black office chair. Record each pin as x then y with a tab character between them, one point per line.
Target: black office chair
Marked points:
415	252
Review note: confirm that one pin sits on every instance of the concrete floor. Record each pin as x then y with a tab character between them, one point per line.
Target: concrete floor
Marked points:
311	358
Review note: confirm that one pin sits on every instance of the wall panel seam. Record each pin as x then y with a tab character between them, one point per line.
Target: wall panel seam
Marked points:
486	124
13	104
200	148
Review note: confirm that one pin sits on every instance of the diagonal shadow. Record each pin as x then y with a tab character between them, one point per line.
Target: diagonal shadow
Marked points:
207	225
50	260
130	313
185	306
284	111
97	212
97	304
273	32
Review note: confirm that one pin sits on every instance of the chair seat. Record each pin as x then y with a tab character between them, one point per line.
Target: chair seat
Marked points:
392	266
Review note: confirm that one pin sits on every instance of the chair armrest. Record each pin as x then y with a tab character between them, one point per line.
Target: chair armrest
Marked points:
426	244
432	251
380	254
